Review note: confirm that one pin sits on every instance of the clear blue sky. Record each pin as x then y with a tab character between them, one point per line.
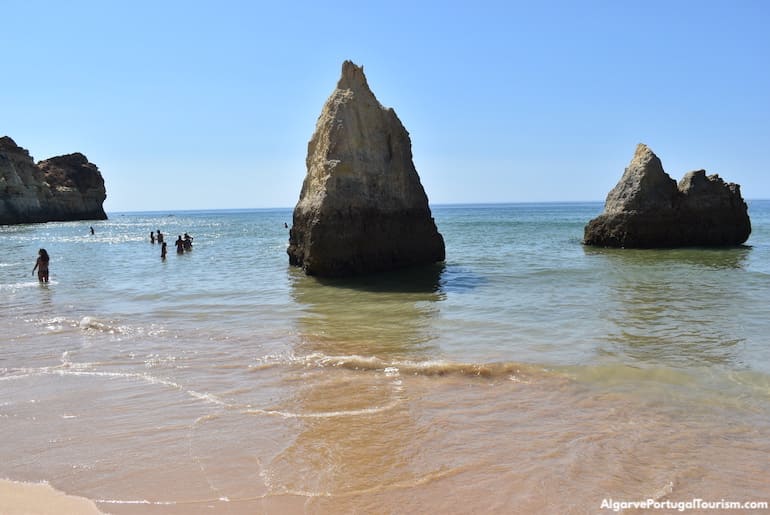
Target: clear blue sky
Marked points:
203	105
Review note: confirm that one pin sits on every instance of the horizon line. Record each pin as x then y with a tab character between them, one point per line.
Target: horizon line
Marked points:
441	204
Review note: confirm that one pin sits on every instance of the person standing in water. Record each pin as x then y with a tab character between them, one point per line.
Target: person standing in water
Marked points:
180	245
163	250
41	265
152	237
92	230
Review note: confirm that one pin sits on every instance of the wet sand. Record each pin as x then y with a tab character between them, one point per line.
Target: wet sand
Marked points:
40	499
353	441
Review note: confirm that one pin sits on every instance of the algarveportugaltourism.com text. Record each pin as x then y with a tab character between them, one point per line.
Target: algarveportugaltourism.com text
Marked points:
694	504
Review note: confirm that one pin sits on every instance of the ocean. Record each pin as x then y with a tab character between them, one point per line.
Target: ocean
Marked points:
526	374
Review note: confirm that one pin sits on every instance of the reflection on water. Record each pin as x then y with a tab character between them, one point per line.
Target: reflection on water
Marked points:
706	257
356	433
678	307
384	314
421	279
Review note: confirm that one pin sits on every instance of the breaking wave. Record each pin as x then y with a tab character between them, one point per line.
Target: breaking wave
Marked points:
392	367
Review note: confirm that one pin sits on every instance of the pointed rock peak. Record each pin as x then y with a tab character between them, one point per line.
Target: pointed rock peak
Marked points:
644	158
644	186
642	149
352	77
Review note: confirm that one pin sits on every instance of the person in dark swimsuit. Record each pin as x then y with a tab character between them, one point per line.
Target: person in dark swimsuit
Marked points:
41	265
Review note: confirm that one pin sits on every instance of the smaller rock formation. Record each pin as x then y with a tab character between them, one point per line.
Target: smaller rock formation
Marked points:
362	207
62	188
648	209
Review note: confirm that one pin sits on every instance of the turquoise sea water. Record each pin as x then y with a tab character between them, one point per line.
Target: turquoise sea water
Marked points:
225	379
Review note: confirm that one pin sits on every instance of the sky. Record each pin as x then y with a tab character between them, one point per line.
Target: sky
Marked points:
210	104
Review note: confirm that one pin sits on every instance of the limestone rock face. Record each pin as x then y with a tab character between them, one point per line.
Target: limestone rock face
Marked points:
362	207
57	189
648	209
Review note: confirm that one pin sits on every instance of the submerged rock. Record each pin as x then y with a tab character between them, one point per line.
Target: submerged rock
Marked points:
58	189
362	207
648	209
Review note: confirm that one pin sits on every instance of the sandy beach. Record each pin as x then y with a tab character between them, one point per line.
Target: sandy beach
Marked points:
40	499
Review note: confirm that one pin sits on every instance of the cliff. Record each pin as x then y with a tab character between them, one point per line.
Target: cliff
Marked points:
647	208
58	189
362	207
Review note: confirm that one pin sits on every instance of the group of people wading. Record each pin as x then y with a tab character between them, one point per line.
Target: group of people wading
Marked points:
182	244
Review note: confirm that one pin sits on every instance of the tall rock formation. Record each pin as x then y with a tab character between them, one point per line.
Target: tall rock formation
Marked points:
648	209
362	207
58	189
